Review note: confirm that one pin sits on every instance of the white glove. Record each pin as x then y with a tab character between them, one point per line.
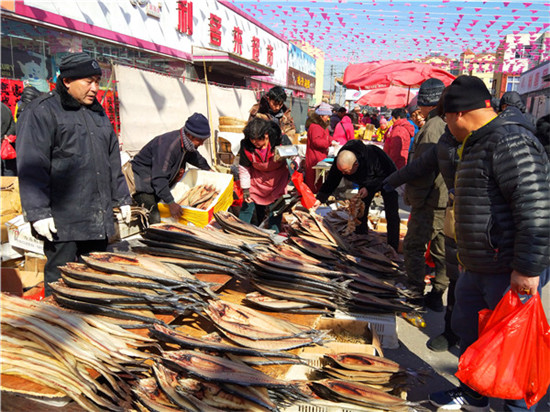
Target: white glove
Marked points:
45	227
126	213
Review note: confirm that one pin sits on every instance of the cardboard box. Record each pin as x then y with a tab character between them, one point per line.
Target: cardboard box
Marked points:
194	177
10	203
19	236
124	230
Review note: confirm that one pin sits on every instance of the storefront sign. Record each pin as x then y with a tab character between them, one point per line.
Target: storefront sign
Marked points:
300	81
152	10
255	49
300	60
237	41
185	17
215	30
534	79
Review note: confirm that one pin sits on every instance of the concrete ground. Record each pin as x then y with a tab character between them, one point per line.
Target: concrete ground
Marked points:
441	366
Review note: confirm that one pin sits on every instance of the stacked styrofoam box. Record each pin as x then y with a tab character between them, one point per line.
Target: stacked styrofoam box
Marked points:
385	326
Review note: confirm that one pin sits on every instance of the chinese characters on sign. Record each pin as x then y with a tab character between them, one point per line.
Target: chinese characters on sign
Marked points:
300	80
270	55
255	49
237	40
185	17
215	30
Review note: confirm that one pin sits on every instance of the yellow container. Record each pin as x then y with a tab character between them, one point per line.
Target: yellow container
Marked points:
194	177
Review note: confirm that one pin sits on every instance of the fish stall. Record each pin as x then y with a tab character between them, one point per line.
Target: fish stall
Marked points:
216	318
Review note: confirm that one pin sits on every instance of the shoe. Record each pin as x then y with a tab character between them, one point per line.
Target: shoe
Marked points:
434	300
459	399
441	343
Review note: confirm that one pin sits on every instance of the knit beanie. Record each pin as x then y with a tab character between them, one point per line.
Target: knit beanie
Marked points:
324	109
197	126
430	92
467	93
78	66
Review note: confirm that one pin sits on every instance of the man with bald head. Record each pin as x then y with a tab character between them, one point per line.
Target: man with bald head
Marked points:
367	166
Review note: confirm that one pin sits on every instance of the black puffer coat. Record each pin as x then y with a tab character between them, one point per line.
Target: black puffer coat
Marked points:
502	202
513	99
68	162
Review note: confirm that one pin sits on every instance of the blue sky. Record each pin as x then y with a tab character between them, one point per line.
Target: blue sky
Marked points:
357	31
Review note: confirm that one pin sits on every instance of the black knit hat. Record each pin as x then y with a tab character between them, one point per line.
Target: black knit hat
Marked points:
430	92
197	126
78	66
467	93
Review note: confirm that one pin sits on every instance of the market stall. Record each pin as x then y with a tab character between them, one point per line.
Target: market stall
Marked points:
246	295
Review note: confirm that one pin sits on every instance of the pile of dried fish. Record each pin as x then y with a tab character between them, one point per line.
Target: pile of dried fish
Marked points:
57	348
138	215
313	288
129	286
362	379
200	196
249	328
232	224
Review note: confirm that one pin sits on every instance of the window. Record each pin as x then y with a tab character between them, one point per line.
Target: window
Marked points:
512	83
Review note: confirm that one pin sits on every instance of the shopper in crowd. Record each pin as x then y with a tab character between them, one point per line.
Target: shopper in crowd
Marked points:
318	143
441	158
366	118
9	166
367	166
272	107
513	99
375	121
380	134
337	115
29	94
69	169
398	139
344	131
356	117
161	162
263	177
427	196
503	178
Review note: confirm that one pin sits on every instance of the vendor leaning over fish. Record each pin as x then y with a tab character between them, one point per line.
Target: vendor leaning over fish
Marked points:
263	177
158	165
69	169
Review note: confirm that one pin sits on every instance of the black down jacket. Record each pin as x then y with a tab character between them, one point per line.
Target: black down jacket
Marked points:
374	166
68	162
502	199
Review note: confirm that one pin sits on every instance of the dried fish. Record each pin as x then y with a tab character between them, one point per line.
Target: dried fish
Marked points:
217	369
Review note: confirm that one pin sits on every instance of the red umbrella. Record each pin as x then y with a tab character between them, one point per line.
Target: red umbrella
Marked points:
385	73
392	97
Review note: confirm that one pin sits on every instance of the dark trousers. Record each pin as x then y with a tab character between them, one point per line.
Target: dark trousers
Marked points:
425	225
451	265
262	211
474	292
59	253
391	208
150	202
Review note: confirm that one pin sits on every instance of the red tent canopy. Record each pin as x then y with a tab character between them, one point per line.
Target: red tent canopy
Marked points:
385	73
392	97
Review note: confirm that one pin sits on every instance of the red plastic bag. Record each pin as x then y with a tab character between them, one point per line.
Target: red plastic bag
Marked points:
7	151
308	198
511	358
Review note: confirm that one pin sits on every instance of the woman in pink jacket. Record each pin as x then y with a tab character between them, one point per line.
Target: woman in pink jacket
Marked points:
344	131
318	142
398	139
262	178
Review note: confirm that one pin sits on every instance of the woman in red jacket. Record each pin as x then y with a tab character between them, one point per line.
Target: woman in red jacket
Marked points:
318	142
398	139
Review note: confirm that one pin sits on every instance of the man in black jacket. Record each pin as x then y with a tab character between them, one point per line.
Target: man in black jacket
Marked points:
502	212
157	165
366	165
68	162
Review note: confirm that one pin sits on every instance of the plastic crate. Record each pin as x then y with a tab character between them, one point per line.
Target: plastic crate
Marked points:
384	325
194	177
